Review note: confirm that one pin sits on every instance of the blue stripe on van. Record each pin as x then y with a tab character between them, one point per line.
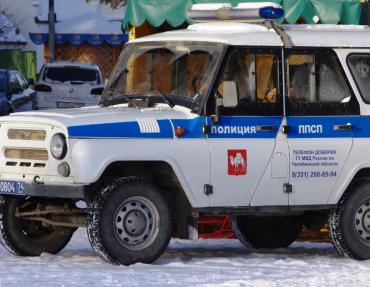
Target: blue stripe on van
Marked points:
232	127
119	130
321	127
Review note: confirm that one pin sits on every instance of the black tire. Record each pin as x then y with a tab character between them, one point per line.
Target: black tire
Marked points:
266	231
349	222
25	237
129	221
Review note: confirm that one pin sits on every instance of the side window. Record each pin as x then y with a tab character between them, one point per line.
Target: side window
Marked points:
13	81
252	79
316	86
22	81
360	68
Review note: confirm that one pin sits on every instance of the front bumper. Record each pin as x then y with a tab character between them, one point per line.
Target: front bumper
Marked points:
42	190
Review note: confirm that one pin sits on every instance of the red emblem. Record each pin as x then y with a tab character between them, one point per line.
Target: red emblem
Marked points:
237	162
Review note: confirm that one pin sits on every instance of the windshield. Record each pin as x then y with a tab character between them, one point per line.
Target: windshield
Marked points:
176	73
3	79
71	74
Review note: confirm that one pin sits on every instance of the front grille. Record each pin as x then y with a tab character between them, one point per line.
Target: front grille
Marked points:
30	154
26	134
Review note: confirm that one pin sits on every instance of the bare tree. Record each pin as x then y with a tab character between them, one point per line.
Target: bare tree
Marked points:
14	17
113	3
5	26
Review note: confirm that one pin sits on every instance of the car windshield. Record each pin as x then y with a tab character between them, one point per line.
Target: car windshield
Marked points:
71	74
174	73
3	79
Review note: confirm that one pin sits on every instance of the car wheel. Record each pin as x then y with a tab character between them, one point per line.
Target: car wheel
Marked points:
349	222
266	231
27	237
129	221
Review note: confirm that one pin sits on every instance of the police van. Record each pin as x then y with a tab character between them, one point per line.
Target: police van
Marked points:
269	124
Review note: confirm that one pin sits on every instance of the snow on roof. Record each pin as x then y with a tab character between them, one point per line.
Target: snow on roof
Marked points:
353	36
8	32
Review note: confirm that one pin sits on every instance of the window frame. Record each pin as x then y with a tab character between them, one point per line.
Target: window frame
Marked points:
320	108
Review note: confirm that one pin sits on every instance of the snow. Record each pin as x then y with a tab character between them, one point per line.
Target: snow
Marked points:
189	263
8	31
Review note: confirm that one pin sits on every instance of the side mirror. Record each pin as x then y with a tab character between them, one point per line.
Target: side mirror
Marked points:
31	82
230	94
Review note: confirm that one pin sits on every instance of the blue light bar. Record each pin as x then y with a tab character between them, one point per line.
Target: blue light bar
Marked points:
244	12
271	13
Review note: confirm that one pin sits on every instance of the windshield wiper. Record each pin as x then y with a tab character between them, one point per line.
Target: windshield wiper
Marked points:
165	97
115	100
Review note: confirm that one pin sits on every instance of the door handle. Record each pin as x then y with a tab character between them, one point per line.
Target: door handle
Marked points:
346	127
266	128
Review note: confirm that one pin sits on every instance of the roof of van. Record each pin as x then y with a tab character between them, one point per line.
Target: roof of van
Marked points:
246	34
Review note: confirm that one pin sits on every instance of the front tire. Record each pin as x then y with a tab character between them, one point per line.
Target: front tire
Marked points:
129	221
26	237
349	222
266	231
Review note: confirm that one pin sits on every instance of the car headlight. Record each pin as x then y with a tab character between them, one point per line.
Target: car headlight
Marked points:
58	146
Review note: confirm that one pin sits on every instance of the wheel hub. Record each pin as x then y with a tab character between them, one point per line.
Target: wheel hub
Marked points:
362	221
136	223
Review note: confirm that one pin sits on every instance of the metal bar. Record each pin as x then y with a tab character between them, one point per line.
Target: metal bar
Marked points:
51	21
55	211
55	223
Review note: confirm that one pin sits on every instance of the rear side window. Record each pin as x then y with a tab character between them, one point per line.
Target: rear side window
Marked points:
360	68
71	74
316	86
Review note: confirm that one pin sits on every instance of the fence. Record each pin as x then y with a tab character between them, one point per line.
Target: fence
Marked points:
24	62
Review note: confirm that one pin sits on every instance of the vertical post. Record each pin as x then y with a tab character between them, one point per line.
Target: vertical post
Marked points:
51	20
367	11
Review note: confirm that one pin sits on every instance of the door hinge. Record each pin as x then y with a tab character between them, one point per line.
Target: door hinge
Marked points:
285	129
206	129
288	188
208	189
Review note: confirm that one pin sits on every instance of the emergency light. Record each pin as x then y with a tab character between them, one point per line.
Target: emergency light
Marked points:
244	12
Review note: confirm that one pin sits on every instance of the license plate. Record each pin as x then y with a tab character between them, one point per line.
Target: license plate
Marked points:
11	187
69	105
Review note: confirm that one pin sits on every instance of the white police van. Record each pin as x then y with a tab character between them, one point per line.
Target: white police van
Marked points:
268	124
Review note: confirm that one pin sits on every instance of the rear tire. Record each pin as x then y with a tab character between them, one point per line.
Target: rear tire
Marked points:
349	222
129	221
266	231
26	237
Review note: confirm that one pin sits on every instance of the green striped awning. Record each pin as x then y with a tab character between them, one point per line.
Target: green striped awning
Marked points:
157	12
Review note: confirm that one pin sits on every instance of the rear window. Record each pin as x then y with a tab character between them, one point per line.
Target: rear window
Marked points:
71	74
360	68
3	79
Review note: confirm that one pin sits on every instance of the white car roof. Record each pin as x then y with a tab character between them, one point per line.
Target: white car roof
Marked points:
72	64
246	34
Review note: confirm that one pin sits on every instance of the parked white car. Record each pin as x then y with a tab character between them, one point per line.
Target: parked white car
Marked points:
69	85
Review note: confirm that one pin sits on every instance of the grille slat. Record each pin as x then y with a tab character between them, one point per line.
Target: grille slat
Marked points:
31	154
26	134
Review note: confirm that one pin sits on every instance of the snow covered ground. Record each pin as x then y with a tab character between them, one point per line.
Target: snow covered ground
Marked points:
189	263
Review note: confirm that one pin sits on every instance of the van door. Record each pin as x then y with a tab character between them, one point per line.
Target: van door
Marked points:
243	140
322	116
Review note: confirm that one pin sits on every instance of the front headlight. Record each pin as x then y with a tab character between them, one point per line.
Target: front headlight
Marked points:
58	146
